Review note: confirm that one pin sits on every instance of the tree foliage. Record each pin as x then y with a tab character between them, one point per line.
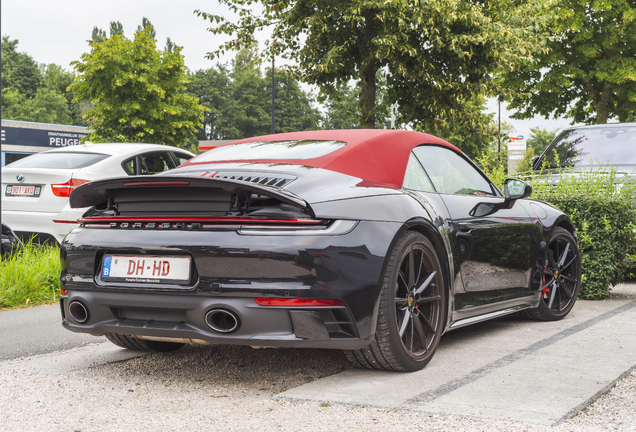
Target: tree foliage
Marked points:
588	72
116	28
473	132
437	53
345	108
540	138
19	71
239	100
35	93
137	91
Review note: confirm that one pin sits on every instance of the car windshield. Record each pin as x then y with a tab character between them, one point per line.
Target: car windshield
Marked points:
599	145
273	150
61	160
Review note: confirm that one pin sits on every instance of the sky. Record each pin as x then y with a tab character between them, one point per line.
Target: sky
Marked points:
57	31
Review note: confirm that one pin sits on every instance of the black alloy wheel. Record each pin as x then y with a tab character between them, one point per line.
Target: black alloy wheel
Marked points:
412	309
562	278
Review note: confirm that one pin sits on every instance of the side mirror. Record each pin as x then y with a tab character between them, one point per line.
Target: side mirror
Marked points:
515	189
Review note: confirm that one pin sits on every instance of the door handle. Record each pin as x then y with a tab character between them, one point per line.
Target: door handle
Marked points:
464	226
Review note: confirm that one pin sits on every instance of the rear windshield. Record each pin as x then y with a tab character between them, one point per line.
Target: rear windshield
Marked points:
273	150
59	160
602	145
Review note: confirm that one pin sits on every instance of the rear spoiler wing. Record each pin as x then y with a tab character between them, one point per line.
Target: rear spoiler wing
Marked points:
99	191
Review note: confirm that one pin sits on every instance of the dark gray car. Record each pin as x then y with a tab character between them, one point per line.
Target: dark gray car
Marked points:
593	146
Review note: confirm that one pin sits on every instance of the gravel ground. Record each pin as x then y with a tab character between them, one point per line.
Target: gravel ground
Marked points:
228	388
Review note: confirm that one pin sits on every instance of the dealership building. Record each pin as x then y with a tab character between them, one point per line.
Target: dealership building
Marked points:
20	138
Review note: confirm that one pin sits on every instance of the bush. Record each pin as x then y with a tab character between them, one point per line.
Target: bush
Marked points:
30	277
601	206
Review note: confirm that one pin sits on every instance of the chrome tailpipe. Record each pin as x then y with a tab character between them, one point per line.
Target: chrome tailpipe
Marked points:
222	320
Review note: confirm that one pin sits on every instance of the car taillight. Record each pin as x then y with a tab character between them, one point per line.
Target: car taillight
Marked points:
64	190
297	302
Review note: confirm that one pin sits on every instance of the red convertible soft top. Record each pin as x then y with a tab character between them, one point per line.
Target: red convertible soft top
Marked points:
375	155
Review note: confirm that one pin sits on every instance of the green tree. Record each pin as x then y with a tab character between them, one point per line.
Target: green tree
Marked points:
117	28
473	132
540	138
145	23
588	72
344	107
98	34
137	92
170	46
31	92
19	70
538	141
293	107
437	53
342	113
48	106
238	99
250	104
212	87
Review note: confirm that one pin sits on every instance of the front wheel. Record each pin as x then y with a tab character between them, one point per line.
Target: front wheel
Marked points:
562	278
412	309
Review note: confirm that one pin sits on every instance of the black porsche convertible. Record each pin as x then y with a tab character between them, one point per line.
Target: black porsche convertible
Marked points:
371	241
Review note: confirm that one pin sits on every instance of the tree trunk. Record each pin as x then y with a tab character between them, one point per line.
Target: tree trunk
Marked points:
367	94
368	70
601	106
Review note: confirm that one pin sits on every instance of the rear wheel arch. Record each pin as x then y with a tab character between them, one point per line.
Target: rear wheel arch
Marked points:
427	229
567	225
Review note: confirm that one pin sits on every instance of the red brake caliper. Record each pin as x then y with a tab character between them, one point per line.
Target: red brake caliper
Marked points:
545	290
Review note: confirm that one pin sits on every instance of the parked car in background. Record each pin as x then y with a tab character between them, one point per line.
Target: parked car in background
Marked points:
36	188
10	242
371	241
592	146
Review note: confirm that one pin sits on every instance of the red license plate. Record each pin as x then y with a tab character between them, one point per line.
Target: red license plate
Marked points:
23	190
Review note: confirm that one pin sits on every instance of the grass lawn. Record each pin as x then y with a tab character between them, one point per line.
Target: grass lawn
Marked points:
31	277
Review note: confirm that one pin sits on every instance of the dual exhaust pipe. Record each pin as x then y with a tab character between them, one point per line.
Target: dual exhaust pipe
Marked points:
218	319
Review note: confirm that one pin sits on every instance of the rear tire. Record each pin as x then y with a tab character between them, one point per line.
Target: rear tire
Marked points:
133	343
562	278
412	309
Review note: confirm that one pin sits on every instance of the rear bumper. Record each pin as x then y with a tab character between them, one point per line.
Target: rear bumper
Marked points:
183	317
43	222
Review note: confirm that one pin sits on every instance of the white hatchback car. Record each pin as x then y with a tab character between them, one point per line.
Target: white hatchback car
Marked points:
36	188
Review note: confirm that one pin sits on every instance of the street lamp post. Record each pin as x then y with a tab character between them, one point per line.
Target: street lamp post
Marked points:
498	139
273	95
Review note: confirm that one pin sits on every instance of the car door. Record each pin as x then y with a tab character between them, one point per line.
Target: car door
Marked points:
496	245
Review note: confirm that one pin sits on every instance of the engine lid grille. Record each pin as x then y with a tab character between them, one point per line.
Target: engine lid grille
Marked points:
267	179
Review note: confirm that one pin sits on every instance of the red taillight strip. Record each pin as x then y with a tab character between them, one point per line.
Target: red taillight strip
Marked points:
297	302
63	221
158	183
98	220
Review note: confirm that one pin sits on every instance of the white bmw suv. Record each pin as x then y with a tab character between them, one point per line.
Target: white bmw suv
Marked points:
35	189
